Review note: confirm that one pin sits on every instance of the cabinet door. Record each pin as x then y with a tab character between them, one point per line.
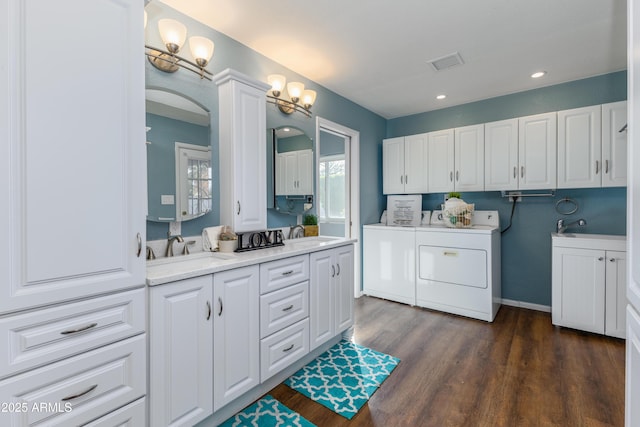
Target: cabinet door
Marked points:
579	147
469	158
305	172
73	176
614	144
321	297
393	166
632	412
416	177
281	174
236	346
290	172
537	151
578	288
181	352
441	163
616	294
343	261
501	155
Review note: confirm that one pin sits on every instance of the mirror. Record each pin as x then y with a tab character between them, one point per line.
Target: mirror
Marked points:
179	175
293	170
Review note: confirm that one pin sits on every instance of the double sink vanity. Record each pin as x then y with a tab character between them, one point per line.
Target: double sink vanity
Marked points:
225	328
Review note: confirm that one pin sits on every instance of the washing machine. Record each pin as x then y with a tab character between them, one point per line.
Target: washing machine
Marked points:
458	269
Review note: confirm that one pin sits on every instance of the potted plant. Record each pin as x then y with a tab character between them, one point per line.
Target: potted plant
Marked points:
228	240
310	223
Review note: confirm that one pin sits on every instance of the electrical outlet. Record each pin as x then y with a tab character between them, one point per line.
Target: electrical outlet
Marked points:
515	195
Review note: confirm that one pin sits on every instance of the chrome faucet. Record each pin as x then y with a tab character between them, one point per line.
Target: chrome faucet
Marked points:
296	231
150	253
560	227
170	243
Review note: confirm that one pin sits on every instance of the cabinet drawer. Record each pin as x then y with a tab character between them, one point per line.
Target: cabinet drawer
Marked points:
283	348
40	337
132	415
79	389
283	307
284	272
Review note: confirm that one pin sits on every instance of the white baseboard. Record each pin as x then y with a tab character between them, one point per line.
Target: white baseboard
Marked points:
530	306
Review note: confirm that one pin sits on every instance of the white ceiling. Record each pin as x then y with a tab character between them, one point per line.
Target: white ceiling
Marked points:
376	52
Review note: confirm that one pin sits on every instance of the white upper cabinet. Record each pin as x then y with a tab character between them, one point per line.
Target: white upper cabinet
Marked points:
72	157
295	173
537	142
441	162
579	146
501	155
469	158
614	144
243	151
403	165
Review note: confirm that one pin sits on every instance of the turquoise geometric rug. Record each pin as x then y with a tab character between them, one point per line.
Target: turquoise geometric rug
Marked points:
344	377
267	412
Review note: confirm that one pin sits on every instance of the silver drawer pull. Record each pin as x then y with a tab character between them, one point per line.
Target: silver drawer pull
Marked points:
220	301
287	273
284	350
80	329
75	396
288	308
208	310
450	253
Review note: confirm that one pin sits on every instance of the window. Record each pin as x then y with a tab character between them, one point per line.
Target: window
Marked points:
193	181
331	171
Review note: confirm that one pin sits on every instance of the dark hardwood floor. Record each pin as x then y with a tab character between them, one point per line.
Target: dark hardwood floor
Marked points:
519	370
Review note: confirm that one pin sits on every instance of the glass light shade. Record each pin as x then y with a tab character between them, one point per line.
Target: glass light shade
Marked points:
277	82
308	97
172	33
201	49
295	90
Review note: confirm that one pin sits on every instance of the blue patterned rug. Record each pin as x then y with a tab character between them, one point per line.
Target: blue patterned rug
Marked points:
344	377
267	412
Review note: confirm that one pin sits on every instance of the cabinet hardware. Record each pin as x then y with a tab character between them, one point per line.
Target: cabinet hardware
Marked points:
139	237
451	176
338	273
75	396
208	310
623	128
401	178
284	350
606	166
601	259
515	172
333	271
406	179
288	308
220	301
238	207
457	176
522	171
80	329
449	253
288	272
612	260
597	166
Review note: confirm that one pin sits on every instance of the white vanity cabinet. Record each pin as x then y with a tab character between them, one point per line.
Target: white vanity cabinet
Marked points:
403	165
243	151
236	345
181	348
295	173
331	293
589	282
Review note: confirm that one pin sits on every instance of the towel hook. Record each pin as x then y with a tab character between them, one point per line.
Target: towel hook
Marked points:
567	210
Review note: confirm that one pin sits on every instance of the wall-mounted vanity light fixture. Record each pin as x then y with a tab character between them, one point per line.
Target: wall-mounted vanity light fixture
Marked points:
174	35
301	100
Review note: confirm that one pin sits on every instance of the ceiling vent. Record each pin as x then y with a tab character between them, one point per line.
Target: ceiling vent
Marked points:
446	61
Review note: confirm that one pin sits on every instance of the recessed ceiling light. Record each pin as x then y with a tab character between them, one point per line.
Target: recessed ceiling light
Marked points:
441	96
538	74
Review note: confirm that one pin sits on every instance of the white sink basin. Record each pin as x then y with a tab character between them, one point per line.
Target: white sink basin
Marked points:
198	257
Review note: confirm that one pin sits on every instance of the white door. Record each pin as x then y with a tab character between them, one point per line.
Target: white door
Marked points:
236	346
441	163
181	352
72	157
416	178
614	144
343	282
579	147
501	155
393	165
537	151
578	289
616	294
469	158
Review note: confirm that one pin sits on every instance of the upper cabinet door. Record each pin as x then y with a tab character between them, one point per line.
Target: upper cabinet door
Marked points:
614	144
537	151
579	142
469	158
441	163
501	155
415	158
73	165
393	165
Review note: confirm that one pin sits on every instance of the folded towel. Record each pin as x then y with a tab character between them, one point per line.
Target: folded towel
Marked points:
210	238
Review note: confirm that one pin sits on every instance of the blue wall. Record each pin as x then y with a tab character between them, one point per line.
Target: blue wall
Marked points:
526	246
